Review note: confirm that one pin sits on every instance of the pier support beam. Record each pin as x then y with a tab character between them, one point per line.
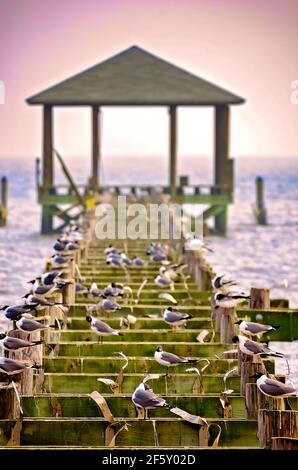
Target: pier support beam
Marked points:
173	150
95	147
223	175
47	166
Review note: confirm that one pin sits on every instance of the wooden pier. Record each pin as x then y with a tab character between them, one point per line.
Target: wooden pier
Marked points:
65	406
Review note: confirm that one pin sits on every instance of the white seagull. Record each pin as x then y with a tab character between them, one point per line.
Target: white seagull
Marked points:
250	328
144	398
273	388
250	347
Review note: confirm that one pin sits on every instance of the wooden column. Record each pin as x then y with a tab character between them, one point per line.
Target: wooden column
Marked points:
95	146
222	168
259	298
173	149
47	166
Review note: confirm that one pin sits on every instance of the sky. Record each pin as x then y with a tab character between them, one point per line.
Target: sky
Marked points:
248	47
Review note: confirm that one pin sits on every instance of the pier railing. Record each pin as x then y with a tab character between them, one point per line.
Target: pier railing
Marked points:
64	193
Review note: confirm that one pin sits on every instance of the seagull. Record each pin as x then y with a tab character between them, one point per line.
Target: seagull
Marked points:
229	299
94	290
9	343
144	398
111	250
59	245
11	367
15	311
26	324
168	273
162	281
115	261
220	282
139	262
168	359
109	305
36	301
174	318
112	290
80	289
125	260
195	244
273	388
102	328
247	346
60	261
250	328
158	256
49	277
71	246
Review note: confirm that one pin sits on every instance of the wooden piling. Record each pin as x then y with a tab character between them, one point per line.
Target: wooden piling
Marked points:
278	424
9	405
32	355
260	210
3	204
227	324
259	299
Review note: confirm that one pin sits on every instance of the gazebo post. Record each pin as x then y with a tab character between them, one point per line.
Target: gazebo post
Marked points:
95	146
173	149
47	166
222	160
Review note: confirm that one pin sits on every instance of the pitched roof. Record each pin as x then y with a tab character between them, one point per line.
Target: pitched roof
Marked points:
135	77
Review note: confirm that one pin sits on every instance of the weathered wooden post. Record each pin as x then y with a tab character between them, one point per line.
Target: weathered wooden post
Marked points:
32	355
3	205
259	299
249	365
260	211
9	405
277	424
227	324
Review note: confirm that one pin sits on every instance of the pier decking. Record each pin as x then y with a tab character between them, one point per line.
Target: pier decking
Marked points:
60	410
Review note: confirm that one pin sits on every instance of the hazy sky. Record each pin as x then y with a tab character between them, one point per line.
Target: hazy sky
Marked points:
247	46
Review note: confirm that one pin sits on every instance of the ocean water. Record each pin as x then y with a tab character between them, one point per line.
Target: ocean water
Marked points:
254	255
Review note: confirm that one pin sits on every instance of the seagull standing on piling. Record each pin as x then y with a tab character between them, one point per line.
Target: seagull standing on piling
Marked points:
9	343
250	328
144	398
229	299
35	301
273	388
11	366
172	317
169	359
29	325
247	346
14	311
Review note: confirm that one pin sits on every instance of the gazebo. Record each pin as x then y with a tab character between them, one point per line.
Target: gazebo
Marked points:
136	77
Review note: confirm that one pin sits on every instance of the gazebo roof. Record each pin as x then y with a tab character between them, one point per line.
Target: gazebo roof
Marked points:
135	77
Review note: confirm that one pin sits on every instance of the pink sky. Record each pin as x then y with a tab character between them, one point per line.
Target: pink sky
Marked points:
249	47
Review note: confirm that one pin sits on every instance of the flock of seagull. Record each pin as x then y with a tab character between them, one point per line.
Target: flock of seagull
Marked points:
226	295
42	289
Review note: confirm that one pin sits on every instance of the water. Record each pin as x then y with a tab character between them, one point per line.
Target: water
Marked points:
254	255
